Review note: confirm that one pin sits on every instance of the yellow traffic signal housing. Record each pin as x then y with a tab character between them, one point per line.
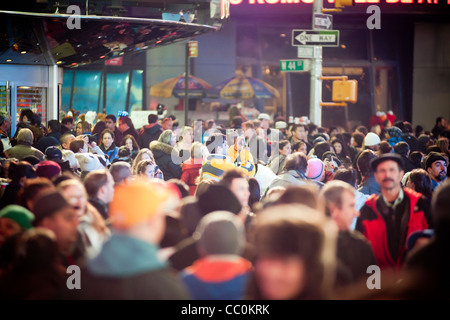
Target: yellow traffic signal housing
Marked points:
343	3
345	91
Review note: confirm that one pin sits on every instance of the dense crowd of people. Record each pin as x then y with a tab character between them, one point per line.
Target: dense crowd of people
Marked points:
255	209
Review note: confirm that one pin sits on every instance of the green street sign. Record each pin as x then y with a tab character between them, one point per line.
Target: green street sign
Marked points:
294	65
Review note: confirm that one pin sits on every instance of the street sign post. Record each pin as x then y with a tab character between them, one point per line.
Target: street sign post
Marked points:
294	65
322	21
329	38
308	52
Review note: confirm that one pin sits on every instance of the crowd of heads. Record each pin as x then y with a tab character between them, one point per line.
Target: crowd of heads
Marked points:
269	202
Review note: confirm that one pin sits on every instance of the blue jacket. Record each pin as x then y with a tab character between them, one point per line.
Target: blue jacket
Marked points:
369	186
112	152
217	277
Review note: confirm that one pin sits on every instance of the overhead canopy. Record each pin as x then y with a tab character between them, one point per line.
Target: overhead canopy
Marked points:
39	38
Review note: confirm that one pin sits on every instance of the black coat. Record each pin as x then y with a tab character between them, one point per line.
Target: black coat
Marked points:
163	157
147	135
52	139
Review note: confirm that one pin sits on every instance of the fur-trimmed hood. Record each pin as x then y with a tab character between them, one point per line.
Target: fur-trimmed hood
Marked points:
160	146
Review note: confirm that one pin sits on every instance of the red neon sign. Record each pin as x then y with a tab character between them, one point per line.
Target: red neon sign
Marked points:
272	2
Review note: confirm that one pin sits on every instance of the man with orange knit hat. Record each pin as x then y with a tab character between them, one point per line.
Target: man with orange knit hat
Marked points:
128	266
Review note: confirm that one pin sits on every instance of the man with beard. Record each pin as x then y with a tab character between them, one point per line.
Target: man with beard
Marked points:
436	166
389	218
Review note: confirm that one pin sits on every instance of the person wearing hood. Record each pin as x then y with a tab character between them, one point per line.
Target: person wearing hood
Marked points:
127	267
166	156
150	132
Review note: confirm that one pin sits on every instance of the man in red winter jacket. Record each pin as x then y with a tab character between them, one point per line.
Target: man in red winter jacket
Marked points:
387	219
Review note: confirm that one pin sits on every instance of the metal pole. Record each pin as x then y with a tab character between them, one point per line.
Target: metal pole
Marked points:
186	86
315	111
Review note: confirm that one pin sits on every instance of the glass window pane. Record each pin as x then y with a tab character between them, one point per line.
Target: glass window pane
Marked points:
136	102
66	90
116	92
85	94
33	98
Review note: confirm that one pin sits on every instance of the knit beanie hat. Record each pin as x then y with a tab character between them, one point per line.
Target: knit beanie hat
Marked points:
218	198
22	216
316	169
48	204
394	132
139	200
220	232
48	169
371	139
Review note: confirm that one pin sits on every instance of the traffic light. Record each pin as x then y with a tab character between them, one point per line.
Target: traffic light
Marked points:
343	3
345	91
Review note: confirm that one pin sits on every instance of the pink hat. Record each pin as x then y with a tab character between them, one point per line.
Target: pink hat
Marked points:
315	169
48	169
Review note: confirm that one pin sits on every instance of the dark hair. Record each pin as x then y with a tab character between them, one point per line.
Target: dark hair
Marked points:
296	161
54	125
312	127
418	131
285	237
439	207
433	148
320	148
282	144
385	147
229	175
362	129
306	195
408	127
127	120
26	112
237	121
133	141
297	145
85	126
300	125
111	117
94	180
422	182
344	153
31	190
215	140
67	119
76	145
152	118
36	120
63	177
438	119
107	131
255	192
401	148
123	152
416	158
21	169
363	163
98	128
347	175
358	137
182	187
